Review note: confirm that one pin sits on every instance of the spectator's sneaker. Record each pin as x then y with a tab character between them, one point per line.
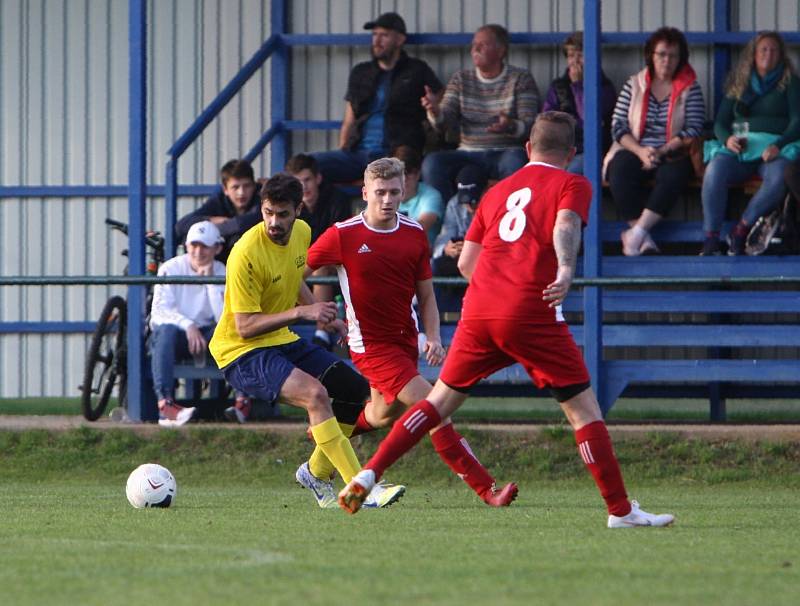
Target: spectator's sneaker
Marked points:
649	246
322	489
736	243
711	246
637	517
503	497
240	411
384	494
632	240
172	415
352	496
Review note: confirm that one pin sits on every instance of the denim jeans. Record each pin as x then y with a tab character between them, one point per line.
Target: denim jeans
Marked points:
168	343
344	166
726	170
440	169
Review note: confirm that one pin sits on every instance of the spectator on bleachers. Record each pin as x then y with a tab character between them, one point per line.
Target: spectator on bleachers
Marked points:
566	95
658	112
763	92
234	209
382	107
470	185
420	202
183	316
491	105
323	205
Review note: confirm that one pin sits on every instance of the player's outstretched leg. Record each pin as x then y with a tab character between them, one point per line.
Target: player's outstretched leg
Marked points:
454	450
406	432
597	453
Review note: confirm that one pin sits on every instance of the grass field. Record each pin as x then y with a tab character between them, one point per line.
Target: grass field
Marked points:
240	532
527	409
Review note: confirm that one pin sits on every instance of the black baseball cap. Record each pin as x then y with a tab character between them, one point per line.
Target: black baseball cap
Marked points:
391	21
470	182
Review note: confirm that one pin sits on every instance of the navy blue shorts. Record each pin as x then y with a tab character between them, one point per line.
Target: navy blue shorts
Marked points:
262	372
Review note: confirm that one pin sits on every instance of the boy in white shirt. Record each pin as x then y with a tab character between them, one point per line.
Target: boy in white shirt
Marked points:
183	316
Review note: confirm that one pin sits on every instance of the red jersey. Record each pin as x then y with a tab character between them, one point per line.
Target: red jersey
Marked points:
514	224
378	273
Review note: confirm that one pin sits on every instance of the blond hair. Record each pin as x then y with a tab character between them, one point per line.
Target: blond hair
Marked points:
385	168
739	77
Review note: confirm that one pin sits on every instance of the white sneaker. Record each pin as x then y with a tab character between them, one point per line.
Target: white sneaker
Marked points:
384	494
632	241
173	415
322	489
637	517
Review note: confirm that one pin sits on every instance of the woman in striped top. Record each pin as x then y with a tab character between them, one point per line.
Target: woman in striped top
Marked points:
658	113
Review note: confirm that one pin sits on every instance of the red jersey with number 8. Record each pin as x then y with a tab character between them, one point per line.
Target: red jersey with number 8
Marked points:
514	225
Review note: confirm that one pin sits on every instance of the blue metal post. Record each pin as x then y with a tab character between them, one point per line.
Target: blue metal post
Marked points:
722	53
279	87
170	206
592	248
137	183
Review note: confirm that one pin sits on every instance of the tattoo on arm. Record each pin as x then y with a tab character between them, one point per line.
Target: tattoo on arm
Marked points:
567	237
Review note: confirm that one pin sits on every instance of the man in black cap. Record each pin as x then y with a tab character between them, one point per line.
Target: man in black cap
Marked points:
470	183
382	104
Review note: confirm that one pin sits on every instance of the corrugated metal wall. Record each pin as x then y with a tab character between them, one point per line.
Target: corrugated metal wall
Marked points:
63	118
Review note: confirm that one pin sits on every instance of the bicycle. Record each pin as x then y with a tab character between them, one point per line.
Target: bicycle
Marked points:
107	359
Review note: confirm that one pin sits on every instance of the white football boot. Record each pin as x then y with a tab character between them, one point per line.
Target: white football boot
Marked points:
637	517
322	489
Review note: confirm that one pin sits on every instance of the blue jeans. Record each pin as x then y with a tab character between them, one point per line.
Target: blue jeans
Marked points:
344	166
440	169
726	170
168	343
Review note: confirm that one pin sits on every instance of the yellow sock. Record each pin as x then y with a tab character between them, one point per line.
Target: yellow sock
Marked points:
320	465
337	448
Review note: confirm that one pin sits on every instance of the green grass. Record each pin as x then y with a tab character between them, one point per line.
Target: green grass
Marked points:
241	533
526	409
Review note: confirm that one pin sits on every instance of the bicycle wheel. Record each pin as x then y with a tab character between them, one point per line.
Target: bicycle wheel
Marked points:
106	360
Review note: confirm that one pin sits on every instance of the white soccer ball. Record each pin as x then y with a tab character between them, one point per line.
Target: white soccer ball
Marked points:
151	485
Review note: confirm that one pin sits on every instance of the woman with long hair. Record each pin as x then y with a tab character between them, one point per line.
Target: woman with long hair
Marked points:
762	108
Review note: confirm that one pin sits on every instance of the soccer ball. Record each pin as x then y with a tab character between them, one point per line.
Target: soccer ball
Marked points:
151	485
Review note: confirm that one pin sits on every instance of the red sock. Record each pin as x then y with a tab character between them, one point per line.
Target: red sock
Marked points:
594	445
362	425
455	451
406	432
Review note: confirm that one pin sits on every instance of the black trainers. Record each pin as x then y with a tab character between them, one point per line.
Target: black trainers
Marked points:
711	246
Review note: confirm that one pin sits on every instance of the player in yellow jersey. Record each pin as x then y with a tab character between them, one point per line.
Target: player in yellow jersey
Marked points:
258	353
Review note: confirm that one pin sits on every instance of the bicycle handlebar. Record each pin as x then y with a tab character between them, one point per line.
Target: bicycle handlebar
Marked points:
153	239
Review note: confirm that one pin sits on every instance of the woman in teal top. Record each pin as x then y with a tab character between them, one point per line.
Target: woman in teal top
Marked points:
764	92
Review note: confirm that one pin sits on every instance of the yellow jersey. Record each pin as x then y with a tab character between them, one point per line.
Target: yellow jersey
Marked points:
261	277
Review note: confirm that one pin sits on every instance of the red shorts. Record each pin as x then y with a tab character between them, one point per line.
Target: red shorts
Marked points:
388	367
546	351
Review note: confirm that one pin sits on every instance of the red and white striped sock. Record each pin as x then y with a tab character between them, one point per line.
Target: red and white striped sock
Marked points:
361	425
597	452
406	432
454	450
